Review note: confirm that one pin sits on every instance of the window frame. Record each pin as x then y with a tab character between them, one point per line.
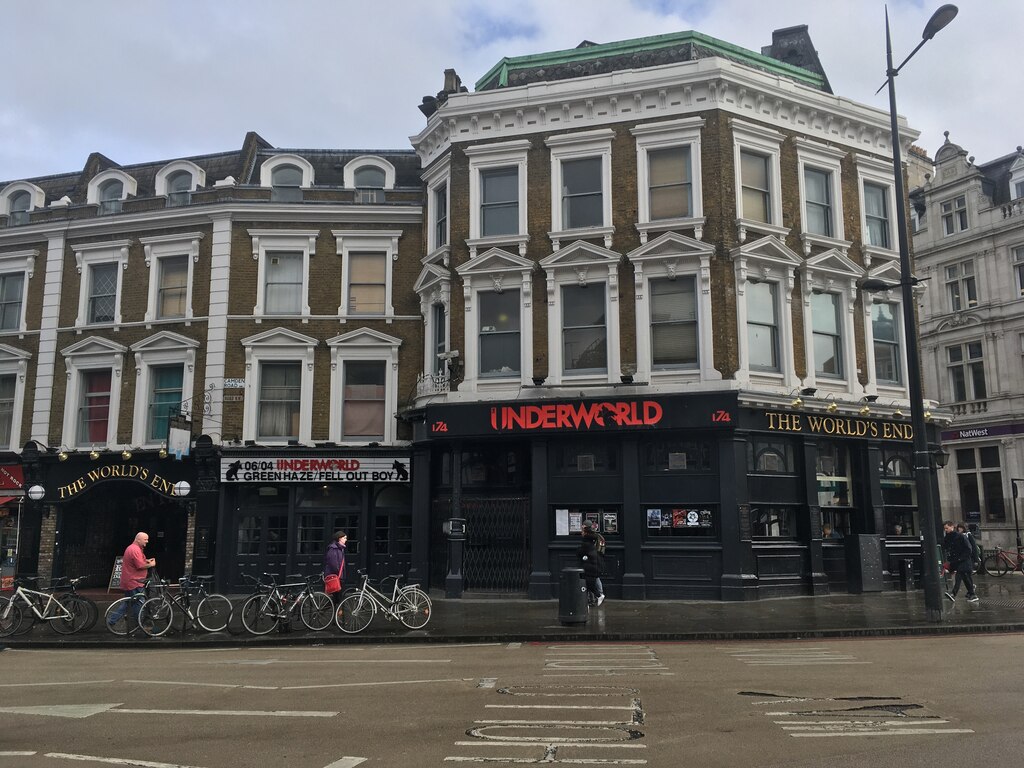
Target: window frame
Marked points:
269	165
14	362
364	345
978	471
896	346
371	161
161	182
766	142
381	241
953	213
967	364
1017	255
97	183
88	255
267	241
161	349
23	263
582	145
37	199
155	250
871	170
483	157
278	345
436	179
92	354
813	156
959	286
481	333
669	134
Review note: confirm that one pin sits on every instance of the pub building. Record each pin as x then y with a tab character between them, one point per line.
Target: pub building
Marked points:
705	496
280	506
91	505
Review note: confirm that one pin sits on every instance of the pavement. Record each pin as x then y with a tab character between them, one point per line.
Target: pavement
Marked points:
505	619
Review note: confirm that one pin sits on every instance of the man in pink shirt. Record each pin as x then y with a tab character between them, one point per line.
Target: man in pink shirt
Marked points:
134	567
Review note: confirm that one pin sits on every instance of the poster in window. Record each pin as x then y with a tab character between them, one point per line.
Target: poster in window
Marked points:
561	522
677	461
575	522
611	522
594	519
666	519
678	518
654	518
704	518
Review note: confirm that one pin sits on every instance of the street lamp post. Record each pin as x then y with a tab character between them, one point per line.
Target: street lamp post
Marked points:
923	468
1016	524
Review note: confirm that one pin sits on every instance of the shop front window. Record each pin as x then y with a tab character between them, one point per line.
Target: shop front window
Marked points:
835	489
899	493
676	456
980	481
605	520
772	521
495	467
681	521
770	457
572	458
249	535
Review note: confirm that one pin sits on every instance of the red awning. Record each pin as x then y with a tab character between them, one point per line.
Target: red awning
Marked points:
11	477
5	499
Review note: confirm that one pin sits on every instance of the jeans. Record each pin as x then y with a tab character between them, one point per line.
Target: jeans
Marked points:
135	604
964	574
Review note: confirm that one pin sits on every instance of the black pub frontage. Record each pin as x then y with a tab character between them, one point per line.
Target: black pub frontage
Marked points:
703	496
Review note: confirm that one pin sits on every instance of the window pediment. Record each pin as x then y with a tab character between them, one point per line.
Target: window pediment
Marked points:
130	188
369	161
9	354
37	196
94	345
671	245
267	169
364	337
768	249
836	264
198	176
164	341
494	260
580	253
432	277
279	337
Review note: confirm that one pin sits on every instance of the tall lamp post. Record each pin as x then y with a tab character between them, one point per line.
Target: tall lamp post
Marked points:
923	467
1016	524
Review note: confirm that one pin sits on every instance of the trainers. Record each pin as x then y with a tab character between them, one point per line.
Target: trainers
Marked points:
600	599
972	599
952	599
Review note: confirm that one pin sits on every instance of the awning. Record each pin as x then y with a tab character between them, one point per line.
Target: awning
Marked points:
5	499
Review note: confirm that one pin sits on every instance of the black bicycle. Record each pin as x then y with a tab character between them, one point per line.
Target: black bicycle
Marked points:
211	611
271	603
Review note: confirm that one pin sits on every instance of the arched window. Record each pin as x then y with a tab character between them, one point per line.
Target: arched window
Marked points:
179	189
369	177
20	203
286	184
111	194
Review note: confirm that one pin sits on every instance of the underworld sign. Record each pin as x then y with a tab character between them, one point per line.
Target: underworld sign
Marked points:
320	469
837	426
132	472
576	416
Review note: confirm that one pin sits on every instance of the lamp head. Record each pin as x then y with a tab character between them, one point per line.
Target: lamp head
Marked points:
126	455
62	456
796	402
865	409
832	407
94	454
939	20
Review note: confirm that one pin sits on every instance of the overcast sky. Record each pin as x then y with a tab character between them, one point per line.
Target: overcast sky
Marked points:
148	80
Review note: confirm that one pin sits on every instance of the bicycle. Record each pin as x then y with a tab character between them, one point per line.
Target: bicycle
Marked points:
122	624
1002	562
272	603
409	604
67	614
212	612
62	583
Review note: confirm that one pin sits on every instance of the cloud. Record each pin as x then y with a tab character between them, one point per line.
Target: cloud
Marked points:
144	80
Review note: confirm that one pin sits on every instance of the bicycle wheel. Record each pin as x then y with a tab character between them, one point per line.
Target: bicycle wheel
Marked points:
10	617
261	614
94	612
78	615
214	612
317	610
996	566
413	608
156	616
354	614
120	625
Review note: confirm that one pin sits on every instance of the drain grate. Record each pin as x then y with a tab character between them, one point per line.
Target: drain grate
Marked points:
989	601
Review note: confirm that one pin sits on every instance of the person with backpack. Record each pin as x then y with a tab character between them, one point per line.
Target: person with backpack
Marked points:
592	562
975	547
960	555
599	543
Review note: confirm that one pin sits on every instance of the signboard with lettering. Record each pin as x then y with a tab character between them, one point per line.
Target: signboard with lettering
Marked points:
827	425
316	469
973	433
115	574
137	473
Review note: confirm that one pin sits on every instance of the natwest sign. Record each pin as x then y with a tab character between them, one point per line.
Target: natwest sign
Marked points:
576	416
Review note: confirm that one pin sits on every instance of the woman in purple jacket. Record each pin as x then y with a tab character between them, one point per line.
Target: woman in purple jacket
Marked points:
334	560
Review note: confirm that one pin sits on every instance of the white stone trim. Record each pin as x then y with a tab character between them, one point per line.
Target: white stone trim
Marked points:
436	177
130	188
766	142
832	272
495	271
877	171
14	362
290	240
433	286
485	157
349	172
162	246
582	263
24	262
46	358
766	260
92	354
889	272
580	146
37	197
197	173
821	157
383	241
278	345
88	255
161	349
672	256
287	158
666	135
364	344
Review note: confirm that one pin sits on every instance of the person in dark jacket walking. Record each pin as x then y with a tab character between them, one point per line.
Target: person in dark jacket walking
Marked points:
590	560
960	555
334	560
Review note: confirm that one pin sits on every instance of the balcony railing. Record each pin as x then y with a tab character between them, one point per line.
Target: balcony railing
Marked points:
432	384
1013	208
970	408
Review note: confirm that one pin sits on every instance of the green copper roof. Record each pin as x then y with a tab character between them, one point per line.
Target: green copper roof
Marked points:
498	75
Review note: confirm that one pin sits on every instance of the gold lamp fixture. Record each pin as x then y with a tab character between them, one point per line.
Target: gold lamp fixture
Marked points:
898	412
868	400
62	455
832	406
94	454
163	452
126	454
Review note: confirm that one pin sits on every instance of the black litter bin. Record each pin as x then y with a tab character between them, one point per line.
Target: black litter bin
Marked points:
572	597
906	574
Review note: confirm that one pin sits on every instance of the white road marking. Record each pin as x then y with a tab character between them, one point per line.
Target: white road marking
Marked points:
550	722
176	682
347	762
487	682
587	745
544	760
266	662
230	712
115	760
13	753
374	684
552	706
61	683
896	732
75	711
513	646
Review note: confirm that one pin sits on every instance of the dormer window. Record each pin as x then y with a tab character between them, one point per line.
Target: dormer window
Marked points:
369	184
20	204
111	196
179	189
286	184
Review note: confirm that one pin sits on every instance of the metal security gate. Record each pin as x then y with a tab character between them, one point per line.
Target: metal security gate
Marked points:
497	553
